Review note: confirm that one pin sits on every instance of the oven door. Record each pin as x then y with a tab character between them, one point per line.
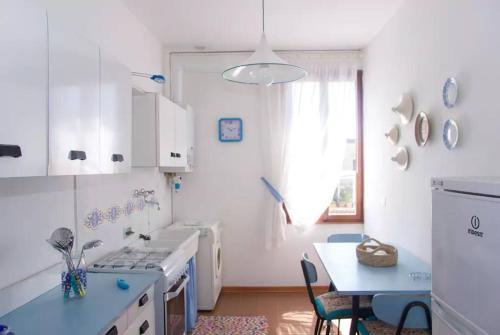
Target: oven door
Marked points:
175	308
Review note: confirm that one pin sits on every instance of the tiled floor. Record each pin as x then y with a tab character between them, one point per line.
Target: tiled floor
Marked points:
287	313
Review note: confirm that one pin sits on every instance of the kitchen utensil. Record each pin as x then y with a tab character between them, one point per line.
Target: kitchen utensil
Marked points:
89	245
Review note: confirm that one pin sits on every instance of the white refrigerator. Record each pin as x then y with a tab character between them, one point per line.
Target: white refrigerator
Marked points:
466	256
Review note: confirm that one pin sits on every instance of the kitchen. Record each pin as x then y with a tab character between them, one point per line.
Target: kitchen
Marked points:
96	198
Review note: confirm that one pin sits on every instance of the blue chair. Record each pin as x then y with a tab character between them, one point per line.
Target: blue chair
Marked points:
329	306
347	238
398	314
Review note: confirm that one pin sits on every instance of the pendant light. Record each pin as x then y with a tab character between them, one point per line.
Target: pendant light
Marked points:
264	67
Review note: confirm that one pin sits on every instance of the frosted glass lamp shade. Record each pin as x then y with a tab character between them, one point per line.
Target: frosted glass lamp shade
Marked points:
264	67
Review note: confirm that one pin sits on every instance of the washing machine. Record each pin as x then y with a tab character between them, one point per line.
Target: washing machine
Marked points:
208	260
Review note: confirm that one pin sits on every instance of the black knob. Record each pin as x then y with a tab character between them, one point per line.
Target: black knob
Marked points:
8	150
144	327
117	158
143	300
75	154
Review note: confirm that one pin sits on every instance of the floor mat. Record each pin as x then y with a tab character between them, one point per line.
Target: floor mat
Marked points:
231	325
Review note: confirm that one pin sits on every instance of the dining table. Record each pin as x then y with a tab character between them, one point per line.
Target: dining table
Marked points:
410	275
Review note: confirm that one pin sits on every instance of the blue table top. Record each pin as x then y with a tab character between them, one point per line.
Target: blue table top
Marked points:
103	304
353	278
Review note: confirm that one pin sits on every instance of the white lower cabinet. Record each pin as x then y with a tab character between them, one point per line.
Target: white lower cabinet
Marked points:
23	89
73	104
138	319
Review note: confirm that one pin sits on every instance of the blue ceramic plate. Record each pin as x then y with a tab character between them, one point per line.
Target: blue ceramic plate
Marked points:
450	134
450	92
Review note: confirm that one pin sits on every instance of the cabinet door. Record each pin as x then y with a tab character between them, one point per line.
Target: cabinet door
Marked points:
144	125
23	89
116	116
166	132
180	137
73	104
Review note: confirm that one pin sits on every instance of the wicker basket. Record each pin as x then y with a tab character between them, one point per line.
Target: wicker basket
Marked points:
376	253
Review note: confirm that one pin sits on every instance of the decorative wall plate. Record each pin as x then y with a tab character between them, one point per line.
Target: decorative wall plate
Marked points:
450	92
450	134
393	135
401	158
404	108
422	129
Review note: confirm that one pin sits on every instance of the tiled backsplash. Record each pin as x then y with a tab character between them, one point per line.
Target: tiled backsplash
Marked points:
33	207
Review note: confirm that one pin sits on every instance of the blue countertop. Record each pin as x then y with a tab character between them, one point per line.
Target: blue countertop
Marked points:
103	304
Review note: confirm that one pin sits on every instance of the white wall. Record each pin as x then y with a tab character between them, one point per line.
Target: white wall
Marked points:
426	42
33	207
226	183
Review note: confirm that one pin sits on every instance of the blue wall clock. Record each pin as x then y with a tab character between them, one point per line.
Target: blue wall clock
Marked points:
230	130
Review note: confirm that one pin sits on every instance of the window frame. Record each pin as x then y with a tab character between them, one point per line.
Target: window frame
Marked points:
359	216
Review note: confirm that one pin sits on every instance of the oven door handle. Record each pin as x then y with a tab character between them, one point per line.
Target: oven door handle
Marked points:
172	295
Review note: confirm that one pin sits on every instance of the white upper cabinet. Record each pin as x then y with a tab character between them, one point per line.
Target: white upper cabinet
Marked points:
23	89
180	137
166	132
116	116
73	104
159	133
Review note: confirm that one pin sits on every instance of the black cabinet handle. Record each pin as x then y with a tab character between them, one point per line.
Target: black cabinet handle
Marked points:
144	299
172	154
7	150
144	327
112	331
178	155
117	158
75	154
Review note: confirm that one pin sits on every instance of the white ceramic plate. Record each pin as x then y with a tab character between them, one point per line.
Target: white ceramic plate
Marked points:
450	134
450	92
422	129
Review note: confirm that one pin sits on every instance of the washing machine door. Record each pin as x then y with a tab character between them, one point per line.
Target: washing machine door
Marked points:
217	260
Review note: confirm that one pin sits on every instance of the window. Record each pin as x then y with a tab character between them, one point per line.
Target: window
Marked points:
323	153
347	201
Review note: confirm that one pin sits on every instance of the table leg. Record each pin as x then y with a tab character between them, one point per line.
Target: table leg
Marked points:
355	315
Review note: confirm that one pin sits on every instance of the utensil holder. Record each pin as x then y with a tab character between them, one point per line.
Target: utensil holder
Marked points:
74	283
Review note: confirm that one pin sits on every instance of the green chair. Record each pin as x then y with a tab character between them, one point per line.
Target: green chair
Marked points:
329	306
398	315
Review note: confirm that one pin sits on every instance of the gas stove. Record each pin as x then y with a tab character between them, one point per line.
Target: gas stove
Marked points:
133	260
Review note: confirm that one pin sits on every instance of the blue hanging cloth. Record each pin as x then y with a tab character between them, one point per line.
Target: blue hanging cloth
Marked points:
191	296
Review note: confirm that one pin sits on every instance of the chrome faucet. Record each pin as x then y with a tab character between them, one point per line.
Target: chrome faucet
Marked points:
148	197
153	202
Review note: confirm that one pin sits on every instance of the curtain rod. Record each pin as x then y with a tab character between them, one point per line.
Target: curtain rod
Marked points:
250	51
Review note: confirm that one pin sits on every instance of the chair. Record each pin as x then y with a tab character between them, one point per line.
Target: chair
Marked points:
347	238
329	306
399	315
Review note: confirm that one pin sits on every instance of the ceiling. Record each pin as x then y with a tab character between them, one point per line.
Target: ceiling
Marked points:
223	25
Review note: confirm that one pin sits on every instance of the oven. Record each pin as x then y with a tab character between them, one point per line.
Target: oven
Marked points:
175	307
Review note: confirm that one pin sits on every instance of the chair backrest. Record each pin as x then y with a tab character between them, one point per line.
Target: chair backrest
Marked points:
347	238
391	309
310	276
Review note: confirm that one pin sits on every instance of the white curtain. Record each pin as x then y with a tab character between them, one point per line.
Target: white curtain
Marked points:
304	138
